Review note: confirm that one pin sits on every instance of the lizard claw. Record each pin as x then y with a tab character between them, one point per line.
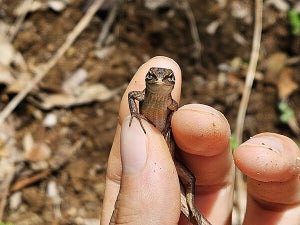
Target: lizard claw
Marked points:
139	117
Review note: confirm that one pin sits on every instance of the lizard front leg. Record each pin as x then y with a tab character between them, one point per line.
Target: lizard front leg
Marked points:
188	180
172	107
138	96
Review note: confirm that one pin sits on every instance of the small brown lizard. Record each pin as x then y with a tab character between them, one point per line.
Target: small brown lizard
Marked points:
157	106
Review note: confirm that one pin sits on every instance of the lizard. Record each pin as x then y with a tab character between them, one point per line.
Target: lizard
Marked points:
157	106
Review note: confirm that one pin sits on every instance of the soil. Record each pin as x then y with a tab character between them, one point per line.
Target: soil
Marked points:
83	133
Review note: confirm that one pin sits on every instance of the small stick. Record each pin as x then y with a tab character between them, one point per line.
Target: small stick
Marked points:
5	190
25	182
59	160
16	27
251	71
241	191
193	26
41	72
108	23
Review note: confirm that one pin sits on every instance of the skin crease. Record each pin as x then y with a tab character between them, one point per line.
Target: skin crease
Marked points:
148	192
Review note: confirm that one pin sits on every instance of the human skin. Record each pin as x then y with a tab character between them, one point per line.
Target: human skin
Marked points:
142	179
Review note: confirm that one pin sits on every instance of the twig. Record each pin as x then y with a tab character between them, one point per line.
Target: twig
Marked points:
15	28
25	182
61	158
193	26
251	71
241	191
5	190
293	60
107	25
45	68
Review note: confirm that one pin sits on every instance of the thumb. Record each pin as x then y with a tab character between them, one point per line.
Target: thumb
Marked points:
150	191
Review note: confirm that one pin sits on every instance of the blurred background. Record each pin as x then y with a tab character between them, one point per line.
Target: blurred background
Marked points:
55	144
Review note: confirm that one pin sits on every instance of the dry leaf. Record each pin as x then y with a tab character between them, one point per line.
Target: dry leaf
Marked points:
281	5
57	5
17	85
6	166
27	142
154	4
24	6
7	51
15	200
85	95
7	140
276	62
72	84
104	52
286	85
21	64
39	152
50	120
5	76
35	151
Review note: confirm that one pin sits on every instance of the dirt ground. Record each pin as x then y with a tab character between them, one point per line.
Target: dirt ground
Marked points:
61	149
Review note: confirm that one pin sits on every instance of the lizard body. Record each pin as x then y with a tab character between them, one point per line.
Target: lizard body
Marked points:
157	106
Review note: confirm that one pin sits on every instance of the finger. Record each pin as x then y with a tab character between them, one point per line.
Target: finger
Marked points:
203	134
272	164
114	169
150	192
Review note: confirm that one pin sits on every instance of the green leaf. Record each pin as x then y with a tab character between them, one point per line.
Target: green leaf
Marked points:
286	112
233	142
294	19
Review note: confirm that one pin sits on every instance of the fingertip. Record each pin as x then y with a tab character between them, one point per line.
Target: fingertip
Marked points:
270	162
268	157
200	129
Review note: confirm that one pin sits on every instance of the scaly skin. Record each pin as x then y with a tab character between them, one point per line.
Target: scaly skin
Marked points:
157	106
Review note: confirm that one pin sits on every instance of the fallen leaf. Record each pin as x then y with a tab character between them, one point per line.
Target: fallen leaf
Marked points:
50	120
7	51
39	152
5	76
27	142
281	5
57	5
286	86
17	85
71	84
276	62
6	166
35	151
7	141
15	200
85	95
154	4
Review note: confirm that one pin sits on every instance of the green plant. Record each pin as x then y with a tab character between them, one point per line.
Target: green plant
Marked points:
294	19
3	223
233	142
286	112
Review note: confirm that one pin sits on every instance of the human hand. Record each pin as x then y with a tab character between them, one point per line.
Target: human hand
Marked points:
142	178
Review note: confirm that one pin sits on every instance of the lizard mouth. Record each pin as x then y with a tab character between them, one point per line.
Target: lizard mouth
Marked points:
160	82
160	87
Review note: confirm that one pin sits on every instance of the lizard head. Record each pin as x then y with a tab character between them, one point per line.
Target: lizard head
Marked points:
160	78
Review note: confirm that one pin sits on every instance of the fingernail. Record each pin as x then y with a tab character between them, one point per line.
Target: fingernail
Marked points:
133	147
268	142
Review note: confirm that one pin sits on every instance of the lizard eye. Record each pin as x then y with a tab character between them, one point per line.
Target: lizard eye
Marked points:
149	76
171	77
